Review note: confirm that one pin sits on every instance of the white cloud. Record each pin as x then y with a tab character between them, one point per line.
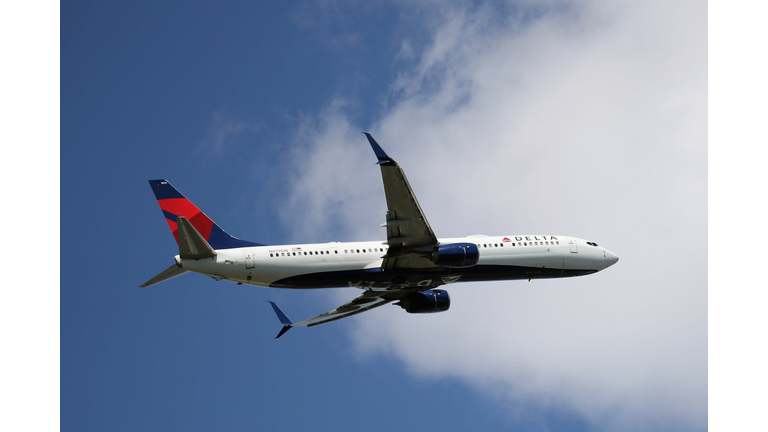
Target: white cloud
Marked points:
224	129
584	119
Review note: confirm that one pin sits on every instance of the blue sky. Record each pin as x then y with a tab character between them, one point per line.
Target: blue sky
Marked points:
255	111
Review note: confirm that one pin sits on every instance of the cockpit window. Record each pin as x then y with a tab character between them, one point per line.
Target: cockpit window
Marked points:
592	244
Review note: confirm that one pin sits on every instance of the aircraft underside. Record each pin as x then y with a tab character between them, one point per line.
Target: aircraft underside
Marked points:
417	279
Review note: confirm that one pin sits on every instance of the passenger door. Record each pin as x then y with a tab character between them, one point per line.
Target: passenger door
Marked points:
572	245
249	261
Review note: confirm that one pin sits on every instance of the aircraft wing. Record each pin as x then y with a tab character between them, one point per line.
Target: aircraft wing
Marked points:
411	244
364	302
409	236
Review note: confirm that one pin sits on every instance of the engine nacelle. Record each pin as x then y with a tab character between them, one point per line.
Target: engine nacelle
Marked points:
428	301
457	255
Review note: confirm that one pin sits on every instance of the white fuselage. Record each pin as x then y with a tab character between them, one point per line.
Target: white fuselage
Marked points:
358	264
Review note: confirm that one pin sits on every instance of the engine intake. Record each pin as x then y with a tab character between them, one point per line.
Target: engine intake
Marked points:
428	301
457	255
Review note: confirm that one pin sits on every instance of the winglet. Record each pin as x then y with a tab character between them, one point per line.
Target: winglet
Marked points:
287	323
380	153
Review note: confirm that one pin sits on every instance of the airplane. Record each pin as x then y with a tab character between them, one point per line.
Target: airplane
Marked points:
406	268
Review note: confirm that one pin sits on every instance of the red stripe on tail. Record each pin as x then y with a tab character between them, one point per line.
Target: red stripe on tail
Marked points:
183	207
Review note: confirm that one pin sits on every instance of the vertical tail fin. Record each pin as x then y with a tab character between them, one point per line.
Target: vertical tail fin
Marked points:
175	205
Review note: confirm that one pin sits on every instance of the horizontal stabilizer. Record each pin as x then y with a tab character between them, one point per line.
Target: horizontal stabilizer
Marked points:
192	245
169	273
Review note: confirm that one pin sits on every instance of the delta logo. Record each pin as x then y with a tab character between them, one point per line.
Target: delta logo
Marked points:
506	240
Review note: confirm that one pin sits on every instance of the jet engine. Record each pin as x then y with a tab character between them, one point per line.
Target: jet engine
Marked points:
428	301
456	255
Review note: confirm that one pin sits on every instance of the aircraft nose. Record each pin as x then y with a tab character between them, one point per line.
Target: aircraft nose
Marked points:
611	258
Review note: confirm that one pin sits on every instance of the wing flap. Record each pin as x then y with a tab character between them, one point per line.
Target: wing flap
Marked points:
364	302
406	222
